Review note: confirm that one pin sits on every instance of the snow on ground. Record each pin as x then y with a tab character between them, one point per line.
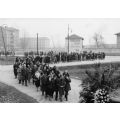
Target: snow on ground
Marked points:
7	77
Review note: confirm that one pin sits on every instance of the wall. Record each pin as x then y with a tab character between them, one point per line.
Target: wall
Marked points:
118	41
10	36
74	45
31	43
2	34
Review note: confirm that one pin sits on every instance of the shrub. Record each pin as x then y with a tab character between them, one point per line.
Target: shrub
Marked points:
100	83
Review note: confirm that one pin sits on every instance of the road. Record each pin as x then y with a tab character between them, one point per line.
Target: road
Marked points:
6	76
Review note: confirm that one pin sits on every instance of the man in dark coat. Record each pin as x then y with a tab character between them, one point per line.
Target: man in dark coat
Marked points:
41	59
24	73
43	83
61	87
49	87
15	67
67	86
56	86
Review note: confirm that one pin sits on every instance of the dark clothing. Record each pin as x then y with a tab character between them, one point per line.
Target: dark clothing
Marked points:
61	88
49	87
43	83
24	74
67	86
15	67
56	87
37	82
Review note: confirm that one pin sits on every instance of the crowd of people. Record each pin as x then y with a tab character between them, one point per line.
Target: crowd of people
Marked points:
54	57
8	53
49	80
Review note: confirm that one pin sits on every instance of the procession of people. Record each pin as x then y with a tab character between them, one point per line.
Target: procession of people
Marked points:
49	80
56	57
52	83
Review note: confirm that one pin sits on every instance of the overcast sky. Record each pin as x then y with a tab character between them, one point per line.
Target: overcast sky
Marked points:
56	29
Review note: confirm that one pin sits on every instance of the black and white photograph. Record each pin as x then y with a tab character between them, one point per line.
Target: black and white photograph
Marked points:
59	60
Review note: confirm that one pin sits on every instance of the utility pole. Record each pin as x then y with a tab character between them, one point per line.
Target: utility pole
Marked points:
4	42
37	43
68	39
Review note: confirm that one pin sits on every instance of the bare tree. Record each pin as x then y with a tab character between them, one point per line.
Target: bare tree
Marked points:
98	40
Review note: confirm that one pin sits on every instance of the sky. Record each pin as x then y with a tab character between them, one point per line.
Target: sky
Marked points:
57	28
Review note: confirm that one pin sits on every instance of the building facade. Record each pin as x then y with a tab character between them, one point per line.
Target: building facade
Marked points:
118	40
75	43
8	38
30	43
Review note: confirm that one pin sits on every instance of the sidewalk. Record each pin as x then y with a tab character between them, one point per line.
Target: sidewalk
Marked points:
7	77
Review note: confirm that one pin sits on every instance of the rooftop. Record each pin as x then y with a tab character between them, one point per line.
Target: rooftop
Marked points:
9	28
117	33
74	36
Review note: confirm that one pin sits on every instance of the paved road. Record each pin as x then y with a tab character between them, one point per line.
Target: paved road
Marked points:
108	59
7	77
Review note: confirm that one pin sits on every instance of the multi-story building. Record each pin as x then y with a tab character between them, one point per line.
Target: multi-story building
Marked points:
75	43
30	43
118	40
8	38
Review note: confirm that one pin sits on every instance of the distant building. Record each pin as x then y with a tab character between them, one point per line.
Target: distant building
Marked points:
118	40
30	43
75	43
8	38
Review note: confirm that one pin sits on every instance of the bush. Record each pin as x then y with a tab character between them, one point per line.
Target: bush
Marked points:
102	79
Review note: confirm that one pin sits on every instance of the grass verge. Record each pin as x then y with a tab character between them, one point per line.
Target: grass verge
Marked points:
10	94
78	71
